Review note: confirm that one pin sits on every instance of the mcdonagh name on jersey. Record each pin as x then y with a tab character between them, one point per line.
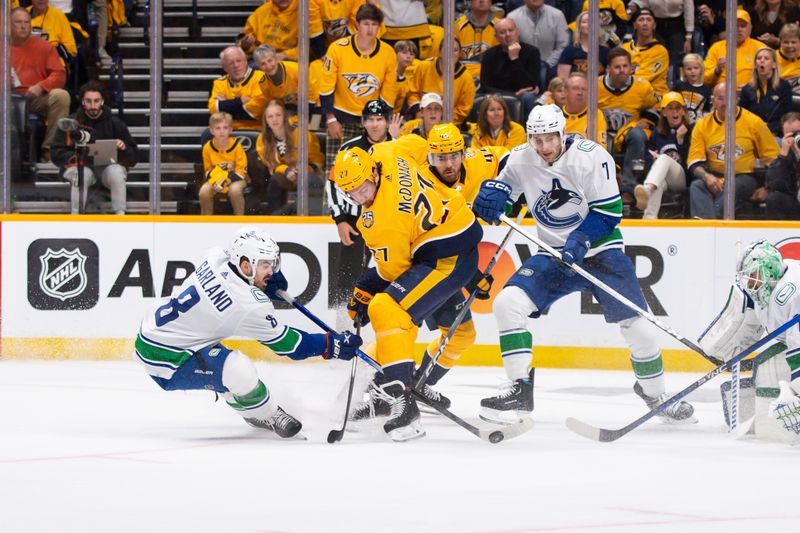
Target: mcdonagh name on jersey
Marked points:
216	294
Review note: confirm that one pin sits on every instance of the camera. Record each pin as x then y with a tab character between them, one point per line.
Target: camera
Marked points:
80	136
797	138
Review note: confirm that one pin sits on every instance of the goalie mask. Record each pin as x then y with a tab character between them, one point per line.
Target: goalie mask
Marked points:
254	246
543	121
759	271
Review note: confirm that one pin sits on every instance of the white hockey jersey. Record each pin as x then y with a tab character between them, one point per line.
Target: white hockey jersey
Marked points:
560	196
784	303
212	304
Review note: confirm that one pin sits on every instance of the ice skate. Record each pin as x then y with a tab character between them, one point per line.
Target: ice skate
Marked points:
282	423
678	413
514	402
376	405
434	397
403	423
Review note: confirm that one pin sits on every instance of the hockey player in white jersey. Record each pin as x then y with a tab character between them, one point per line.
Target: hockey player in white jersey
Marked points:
771	284
179	341
571	189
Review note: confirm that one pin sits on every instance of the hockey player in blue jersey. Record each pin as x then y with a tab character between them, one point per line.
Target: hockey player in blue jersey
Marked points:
571	189
179	341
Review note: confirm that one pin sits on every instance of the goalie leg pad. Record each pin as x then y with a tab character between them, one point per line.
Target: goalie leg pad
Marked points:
512	307
646	361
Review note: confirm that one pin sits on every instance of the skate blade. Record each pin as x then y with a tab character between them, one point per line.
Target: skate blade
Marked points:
410	432
673	422
506	418
428	410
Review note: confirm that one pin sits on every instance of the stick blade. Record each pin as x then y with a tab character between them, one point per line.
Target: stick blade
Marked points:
335	435
591	432
509	432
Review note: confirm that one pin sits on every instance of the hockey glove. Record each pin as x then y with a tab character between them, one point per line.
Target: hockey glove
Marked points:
480	284
785	411
357	306
341	345
277	282
575	248
492	200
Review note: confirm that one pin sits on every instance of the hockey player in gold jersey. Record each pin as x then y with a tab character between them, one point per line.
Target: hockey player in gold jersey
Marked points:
424	243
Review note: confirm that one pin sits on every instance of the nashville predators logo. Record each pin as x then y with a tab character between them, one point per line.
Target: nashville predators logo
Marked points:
367	219
473	51
552	200
336	28
719	151
616	118
362	84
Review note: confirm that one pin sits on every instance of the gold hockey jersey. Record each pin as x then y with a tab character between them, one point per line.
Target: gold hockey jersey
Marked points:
515	137
790	71
753	141
428	79
745	59
650	62
277	28
249	86
231	158
578	124
479	165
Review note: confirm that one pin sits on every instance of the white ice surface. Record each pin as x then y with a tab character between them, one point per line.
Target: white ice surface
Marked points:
97	446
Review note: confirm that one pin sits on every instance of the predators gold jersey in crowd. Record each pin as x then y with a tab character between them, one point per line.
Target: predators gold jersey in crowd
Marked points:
753	141
428	79
745	59
475	40
354	77
790	71
333	16
250	86
283	86
623	107
478	165
650	62
54	27
578	125
408	216
278	29
515	137
231	158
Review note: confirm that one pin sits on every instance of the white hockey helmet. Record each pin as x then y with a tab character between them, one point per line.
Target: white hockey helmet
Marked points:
546	119
254	245
759	270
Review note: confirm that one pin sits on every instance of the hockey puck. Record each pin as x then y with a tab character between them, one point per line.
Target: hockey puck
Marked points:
496	436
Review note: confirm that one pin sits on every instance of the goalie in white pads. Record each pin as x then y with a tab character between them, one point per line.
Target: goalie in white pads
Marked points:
571	189
179	341
768	298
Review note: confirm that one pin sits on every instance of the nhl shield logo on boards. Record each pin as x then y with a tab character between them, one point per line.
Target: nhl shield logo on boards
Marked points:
63	274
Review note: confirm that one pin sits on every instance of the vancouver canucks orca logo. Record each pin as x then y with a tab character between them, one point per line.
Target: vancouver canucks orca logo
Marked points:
551	201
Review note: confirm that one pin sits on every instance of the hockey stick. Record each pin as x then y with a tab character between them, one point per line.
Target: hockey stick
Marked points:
335	435
610	435
611	292
288	298
494	436
465	309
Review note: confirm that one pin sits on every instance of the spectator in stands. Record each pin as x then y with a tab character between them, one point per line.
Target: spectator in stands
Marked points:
574	58
746	48
769	16
628	104
97	119
576	108
711	20
766	94
556	92
406	20
511	67
238	92
649	58
224	166
431	110
783	175
406	65
669	149
346	258
281	77
277	159
613	22
274	23
475	31
706	160
494	127
788	59
51	24
696	94
674	23
40	76
428	79
545	28
357	69
333	17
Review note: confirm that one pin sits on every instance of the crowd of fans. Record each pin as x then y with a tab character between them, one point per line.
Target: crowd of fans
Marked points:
660	94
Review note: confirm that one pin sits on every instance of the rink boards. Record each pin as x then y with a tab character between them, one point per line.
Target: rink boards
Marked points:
78	288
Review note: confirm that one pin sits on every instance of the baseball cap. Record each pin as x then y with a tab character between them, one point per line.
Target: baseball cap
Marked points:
671	97
641	12
741	14
430	98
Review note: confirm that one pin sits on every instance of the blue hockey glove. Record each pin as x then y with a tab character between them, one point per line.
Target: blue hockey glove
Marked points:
575	249
491	200
277	282
341	345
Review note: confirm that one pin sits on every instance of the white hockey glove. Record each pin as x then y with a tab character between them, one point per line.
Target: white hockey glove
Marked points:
735	327
785	411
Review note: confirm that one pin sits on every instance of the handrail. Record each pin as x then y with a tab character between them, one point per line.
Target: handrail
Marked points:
116	82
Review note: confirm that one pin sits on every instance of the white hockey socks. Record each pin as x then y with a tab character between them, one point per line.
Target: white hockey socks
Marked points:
645	356
511	308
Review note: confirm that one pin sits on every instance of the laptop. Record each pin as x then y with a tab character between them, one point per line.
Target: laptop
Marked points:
103	152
